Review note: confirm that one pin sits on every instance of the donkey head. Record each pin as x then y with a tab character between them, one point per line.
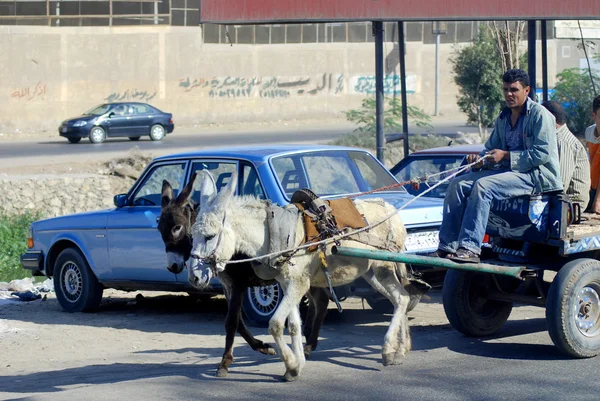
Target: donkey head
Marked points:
214	240
174	224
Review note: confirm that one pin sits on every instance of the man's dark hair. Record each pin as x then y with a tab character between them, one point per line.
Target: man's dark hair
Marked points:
516	75
557	111
596	104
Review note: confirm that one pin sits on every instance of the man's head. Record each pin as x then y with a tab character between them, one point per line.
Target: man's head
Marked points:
557	111
516	88
596	110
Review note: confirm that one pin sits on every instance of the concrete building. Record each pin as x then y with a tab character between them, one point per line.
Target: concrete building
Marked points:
59	59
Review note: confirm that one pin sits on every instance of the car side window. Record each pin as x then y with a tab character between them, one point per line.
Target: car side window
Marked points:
140	109
150	192
220	172
250	183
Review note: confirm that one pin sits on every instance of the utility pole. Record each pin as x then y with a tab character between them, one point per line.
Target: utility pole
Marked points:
438	28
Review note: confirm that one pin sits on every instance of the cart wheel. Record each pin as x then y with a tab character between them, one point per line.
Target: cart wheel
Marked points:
467	306
573	308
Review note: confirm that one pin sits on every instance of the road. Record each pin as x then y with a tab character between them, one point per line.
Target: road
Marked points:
166	348
39	151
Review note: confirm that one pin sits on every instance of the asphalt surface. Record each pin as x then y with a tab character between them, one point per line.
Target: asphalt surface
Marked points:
163	350
56	149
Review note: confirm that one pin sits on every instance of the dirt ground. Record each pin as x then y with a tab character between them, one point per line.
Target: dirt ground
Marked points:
40	336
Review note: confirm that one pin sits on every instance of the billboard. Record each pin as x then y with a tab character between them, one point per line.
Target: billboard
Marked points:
282	11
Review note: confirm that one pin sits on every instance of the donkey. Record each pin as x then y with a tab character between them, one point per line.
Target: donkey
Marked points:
175	222
228	225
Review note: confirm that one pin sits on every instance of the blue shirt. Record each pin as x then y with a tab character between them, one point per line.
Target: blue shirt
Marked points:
514	135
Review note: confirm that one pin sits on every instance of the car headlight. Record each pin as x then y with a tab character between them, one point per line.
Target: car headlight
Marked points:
80	123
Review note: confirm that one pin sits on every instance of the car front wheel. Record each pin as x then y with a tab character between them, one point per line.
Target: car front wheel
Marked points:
97	135
157	132
77	288
260	303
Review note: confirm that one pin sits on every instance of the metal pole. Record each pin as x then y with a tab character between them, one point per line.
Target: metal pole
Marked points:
437	72
544	60
378	31
402	58
531	37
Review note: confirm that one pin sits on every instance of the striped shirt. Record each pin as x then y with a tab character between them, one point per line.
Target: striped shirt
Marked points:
574	166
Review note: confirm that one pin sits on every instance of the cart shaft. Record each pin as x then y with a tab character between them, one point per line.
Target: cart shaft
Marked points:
515	271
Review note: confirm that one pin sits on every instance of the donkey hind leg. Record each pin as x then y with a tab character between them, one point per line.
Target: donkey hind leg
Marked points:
317	308
397	340
288	309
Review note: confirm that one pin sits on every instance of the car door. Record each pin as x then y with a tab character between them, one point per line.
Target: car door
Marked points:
135	247
119	121
140	119
220	171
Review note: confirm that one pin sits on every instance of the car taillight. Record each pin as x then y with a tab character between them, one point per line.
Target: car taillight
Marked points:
486	239
171	120
30	238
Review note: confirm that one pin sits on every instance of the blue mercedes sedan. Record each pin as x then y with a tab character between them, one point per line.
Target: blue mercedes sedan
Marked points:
122	248
132	120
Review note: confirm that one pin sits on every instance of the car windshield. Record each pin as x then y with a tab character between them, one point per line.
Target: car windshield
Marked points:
98	110
426	166
331	173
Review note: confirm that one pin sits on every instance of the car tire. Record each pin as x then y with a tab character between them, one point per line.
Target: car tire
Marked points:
97	134
260	303
77	288
74	140
134	138
157	132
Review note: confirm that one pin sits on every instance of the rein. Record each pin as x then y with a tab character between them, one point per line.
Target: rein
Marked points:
339	237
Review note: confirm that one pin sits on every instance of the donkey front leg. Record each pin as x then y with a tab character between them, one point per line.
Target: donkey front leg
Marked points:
288	309
234	322
255	344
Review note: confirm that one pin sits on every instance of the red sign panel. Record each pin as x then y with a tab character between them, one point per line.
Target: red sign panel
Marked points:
272	11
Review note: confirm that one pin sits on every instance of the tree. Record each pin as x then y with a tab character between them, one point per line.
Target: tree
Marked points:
477	71
365	117
574	91
508	35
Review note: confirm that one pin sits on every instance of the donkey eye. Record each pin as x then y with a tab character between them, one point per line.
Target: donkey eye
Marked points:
210	237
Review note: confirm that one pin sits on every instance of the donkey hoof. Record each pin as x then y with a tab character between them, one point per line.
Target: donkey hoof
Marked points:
267	350
308	350
222	372
291	375
388	359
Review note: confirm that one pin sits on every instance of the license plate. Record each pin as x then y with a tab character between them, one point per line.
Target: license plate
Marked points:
422	241
64	129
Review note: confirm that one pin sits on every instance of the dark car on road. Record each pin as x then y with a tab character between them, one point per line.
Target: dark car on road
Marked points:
427	162
132	120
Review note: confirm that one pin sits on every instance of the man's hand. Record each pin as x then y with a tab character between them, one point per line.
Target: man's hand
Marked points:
497	155
472	159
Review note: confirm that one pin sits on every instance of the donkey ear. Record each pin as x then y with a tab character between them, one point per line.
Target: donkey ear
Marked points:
186	192
227	193
208	189
167	193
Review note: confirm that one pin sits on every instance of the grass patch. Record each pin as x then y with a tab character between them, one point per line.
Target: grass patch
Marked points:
13	243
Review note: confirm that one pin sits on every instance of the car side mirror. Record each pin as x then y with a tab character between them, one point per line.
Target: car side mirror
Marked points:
111	114
120	200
